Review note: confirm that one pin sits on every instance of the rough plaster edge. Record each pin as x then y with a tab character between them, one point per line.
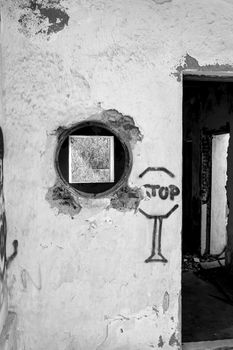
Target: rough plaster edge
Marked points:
207	73
190	65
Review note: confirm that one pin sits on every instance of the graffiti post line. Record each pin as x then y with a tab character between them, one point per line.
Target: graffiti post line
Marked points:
165	170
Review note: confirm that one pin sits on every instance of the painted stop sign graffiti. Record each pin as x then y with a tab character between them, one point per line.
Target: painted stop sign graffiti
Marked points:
162	193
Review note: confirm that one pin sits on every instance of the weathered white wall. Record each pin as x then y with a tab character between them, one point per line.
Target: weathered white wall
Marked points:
82	283
218	232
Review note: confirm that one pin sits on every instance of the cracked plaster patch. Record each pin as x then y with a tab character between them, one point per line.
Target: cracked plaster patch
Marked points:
42	17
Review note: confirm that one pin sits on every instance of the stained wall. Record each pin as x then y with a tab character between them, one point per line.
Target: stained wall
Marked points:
80	280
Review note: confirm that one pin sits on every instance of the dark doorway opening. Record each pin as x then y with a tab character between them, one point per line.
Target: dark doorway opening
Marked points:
207	227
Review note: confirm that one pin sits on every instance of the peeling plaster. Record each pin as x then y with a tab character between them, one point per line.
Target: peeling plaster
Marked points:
190	62
42	17
59	197
173	340
126	198
161	342
123	124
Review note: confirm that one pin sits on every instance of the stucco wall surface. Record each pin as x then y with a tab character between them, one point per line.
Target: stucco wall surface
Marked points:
81	283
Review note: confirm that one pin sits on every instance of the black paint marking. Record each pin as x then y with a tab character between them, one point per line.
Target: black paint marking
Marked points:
174	191
12	256
163	192
153	189
165	170
165	216
156	254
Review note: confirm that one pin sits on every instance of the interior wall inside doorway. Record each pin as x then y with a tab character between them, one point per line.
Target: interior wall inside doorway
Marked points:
219	208
207	114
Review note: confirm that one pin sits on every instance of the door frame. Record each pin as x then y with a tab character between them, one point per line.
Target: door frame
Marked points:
203	73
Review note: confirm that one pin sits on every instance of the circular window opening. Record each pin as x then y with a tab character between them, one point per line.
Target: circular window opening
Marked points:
93	159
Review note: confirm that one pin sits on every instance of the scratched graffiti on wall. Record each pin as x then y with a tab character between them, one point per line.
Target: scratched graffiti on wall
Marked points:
170	193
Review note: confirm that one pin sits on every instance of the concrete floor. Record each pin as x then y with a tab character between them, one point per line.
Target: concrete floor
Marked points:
207	309
226	344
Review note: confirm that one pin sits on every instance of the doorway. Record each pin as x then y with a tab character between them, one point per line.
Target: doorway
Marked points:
207	280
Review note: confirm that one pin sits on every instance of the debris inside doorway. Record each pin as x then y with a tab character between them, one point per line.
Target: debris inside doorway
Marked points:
207	261
190	263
